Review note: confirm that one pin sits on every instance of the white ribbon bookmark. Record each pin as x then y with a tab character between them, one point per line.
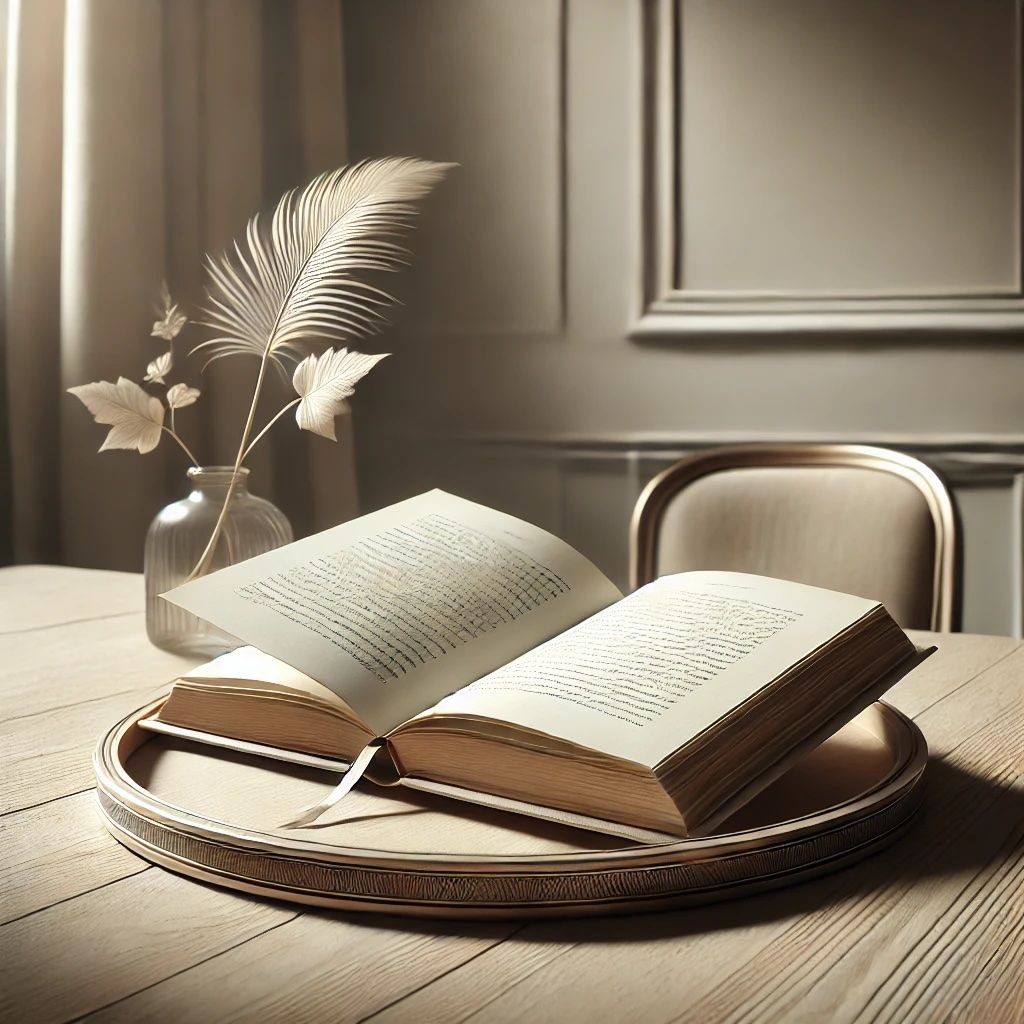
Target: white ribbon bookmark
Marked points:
355	772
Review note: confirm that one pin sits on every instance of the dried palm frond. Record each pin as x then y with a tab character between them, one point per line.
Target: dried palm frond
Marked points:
296	280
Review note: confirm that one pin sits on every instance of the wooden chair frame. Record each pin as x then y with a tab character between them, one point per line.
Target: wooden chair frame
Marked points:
655	497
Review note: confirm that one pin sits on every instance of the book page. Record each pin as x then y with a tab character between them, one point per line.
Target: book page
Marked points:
396	609
642	677
255	670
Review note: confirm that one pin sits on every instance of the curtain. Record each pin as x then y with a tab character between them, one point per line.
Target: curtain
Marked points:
139	135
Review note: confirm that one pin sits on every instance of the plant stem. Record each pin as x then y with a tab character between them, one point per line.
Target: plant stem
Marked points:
252	444
184	447
204	559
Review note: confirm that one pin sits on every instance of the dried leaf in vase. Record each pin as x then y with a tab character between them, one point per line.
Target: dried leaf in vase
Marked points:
172	319
180	395
324	382
136	418
159	368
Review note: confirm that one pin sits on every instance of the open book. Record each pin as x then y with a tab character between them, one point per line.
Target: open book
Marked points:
445	646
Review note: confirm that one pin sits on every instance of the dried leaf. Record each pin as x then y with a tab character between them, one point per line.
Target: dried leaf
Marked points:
135	418
181	395
324	382
159	368
170	326
172	319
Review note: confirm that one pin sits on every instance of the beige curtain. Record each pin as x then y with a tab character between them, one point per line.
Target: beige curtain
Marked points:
140	134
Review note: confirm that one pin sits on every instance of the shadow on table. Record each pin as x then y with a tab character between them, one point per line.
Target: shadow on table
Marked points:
963	822
964	819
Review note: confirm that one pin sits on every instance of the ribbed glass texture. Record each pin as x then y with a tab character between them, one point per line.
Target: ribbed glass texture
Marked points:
176	540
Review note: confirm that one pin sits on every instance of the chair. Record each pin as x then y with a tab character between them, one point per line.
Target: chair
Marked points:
863	520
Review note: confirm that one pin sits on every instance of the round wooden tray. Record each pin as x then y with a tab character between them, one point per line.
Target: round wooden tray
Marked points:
212	814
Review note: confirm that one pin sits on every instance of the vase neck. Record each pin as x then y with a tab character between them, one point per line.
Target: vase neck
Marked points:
213	481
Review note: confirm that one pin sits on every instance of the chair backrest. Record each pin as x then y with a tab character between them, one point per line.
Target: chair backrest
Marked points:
862	520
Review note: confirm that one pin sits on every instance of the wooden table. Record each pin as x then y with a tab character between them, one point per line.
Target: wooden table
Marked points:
933	928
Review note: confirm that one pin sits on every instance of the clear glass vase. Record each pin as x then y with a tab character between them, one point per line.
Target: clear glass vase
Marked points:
176	540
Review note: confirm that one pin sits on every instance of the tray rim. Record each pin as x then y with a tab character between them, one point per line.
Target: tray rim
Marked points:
868	821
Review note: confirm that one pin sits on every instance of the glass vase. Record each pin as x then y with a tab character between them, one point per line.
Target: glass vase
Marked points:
176	540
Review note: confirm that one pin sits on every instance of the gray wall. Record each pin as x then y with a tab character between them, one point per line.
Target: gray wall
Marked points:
687	223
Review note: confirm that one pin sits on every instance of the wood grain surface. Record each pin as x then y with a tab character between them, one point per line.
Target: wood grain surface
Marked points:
930	929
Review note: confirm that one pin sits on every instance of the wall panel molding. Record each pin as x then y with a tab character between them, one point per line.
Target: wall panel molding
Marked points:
964	461
583	488
984	295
